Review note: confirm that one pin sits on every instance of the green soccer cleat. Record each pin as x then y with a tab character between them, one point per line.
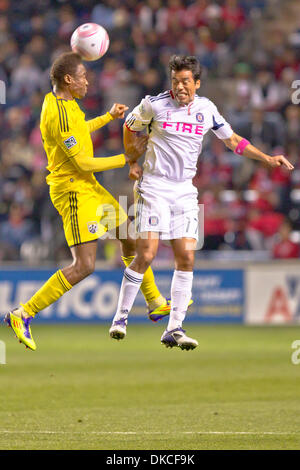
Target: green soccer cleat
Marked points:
162	311
21	326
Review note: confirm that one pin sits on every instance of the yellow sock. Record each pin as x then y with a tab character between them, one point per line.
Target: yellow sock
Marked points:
149	289
51	291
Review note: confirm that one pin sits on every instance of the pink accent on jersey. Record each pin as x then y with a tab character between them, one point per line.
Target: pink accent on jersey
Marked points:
175	136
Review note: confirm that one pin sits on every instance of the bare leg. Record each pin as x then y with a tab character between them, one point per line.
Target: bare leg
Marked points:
84	257
184	258
150	291
146	249
57	285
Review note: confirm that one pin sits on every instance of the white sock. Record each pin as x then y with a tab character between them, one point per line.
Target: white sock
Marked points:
131	283
181	292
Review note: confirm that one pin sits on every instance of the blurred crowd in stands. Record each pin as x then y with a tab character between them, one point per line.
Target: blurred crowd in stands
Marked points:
250	52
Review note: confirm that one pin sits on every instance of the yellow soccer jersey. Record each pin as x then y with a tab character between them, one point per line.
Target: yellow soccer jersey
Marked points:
65	133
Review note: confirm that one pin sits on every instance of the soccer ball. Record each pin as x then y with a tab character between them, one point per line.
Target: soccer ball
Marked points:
90	41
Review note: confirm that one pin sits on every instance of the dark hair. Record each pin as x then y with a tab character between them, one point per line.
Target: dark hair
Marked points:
66	63
186	62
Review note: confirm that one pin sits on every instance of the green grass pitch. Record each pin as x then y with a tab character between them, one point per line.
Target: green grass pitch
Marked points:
83	390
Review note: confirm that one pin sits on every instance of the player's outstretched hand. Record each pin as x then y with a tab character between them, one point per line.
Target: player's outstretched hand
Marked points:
137	148
279	160
118	110
135	171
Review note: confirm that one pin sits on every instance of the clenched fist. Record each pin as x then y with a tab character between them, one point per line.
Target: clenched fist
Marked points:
118	110
135	171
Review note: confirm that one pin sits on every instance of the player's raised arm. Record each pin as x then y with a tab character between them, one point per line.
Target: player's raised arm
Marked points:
132	141
242	146
136	121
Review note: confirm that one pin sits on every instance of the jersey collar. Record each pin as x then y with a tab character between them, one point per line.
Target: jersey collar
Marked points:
59	98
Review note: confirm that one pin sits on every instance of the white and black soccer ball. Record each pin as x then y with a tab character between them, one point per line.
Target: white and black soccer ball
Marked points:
90	41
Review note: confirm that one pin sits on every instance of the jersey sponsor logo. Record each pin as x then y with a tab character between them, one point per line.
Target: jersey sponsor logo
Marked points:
93	227
184	127
153	220
70	142
199	117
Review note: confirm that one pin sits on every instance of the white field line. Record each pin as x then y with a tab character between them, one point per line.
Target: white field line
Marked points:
250	433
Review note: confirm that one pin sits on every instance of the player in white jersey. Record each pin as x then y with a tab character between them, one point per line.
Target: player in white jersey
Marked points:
167	207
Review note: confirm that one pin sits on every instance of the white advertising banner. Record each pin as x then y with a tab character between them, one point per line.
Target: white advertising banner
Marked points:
272	294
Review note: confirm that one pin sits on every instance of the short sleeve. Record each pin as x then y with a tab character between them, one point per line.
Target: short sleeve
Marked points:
219	125
140	117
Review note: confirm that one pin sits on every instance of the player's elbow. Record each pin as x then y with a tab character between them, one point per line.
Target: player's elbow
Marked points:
232	142
128	133
125	129
128	138
79	168
80	165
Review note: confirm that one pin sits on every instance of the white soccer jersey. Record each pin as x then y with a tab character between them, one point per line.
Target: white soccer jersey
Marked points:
175	133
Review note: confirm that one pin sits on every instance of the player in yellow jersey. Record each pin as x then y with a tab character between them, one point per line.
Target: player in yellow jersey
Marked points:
86	208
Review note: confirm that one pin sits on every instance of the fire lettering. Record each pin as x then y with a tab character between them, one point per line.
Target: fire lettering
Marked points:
184	127
165	124
188	127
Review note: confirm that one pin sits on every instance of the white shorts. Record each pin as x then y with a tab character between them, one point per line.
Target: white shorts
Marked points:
167	207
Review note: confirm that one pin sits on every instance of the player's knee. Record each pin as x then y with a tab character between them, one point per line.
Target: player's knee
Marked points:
88	267
185	262
146	258
128	246
84	268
